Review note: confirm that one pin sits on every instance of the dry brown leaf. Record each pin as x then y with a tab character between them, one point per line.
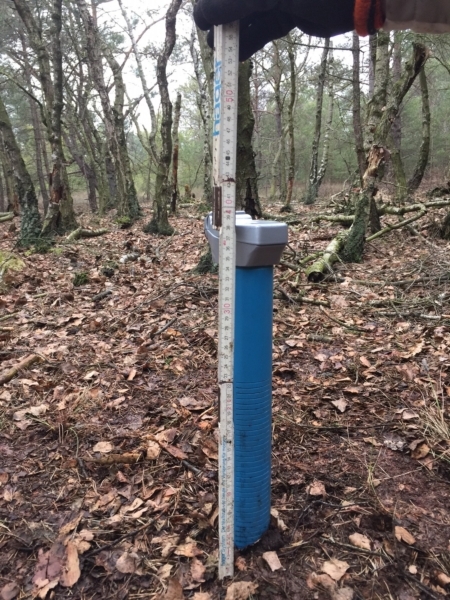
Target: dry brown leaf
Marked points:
176	452
341	405
316	488
167	436
82	539
335	568
360	541
174	591
403	535
241	590
324	581
373	441
202	596
409	414
190	549
71	571
4	478
44	590
364	361
421	451
280	523
210	448
8	494
443	578
128	562
103	447
272	560
9	591
241	563
153	450
164	571
198	570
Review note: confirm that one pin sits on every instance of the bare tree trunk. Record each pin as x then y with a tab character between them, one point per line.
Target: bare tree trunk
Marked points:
12	197
204	77
30	225
395	138
279	162
291	131
176	148
380	118
60	215
246	176
118	165
2	193
312	189
160	222
424	151
356	93
373	43
37	130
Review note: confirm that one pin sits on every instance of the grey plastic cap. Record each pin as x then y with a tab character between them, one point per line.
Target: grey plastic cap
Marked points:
258	243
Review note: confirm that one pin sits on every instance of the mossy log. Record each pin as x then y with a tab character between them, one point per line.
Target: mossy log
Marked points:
317	271
80	233
6	217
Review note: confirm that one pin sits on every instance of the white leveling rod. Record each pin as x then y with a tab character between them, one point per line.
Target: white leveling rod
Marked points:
226	67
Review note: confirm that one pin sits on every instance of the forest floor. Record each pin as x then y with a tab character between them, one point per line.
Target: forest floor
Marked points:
108	444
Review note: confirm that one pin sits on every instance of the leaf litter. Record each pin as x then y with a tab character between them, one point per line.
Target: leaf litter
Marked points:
109	451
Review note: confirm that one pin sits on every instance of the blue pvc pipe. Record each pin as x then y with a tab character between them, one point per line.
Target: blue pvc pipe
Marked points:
252	402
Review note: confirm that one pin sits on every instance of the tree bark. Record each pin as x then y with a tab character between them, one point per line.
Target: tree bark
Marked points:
291	130
246	177
176	149
2	193
381	115
313	182
356	94
37	129
30	225
12	197
424	151
279	162
118	166
160	222
60	215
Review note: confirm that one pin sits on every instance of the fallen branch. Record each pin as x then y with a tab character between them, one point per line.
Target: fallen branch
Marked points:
299	299
341	323
24	364
399	225
85	233
10	316
6	217
317	271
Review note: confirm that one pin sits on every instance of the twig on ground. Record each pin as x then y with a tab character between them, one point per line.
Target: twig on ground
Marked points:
341	323
24	364
119	539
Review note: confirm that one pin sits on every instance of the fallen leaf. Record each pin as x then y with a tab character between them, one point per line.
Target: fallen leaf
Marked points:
373	441
9	591
364	361
103	447
36	411
403	535
164	571
43	591
420	451
360	541
8	494
167	436
174	591
443	578
128	562
280	523
272	560
176	452
4	478
316	488
408	414
153	450
193	404
198	570
190	549
71	570
412	569
341	405
241	590
241	563
202	596
209	447
335	568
